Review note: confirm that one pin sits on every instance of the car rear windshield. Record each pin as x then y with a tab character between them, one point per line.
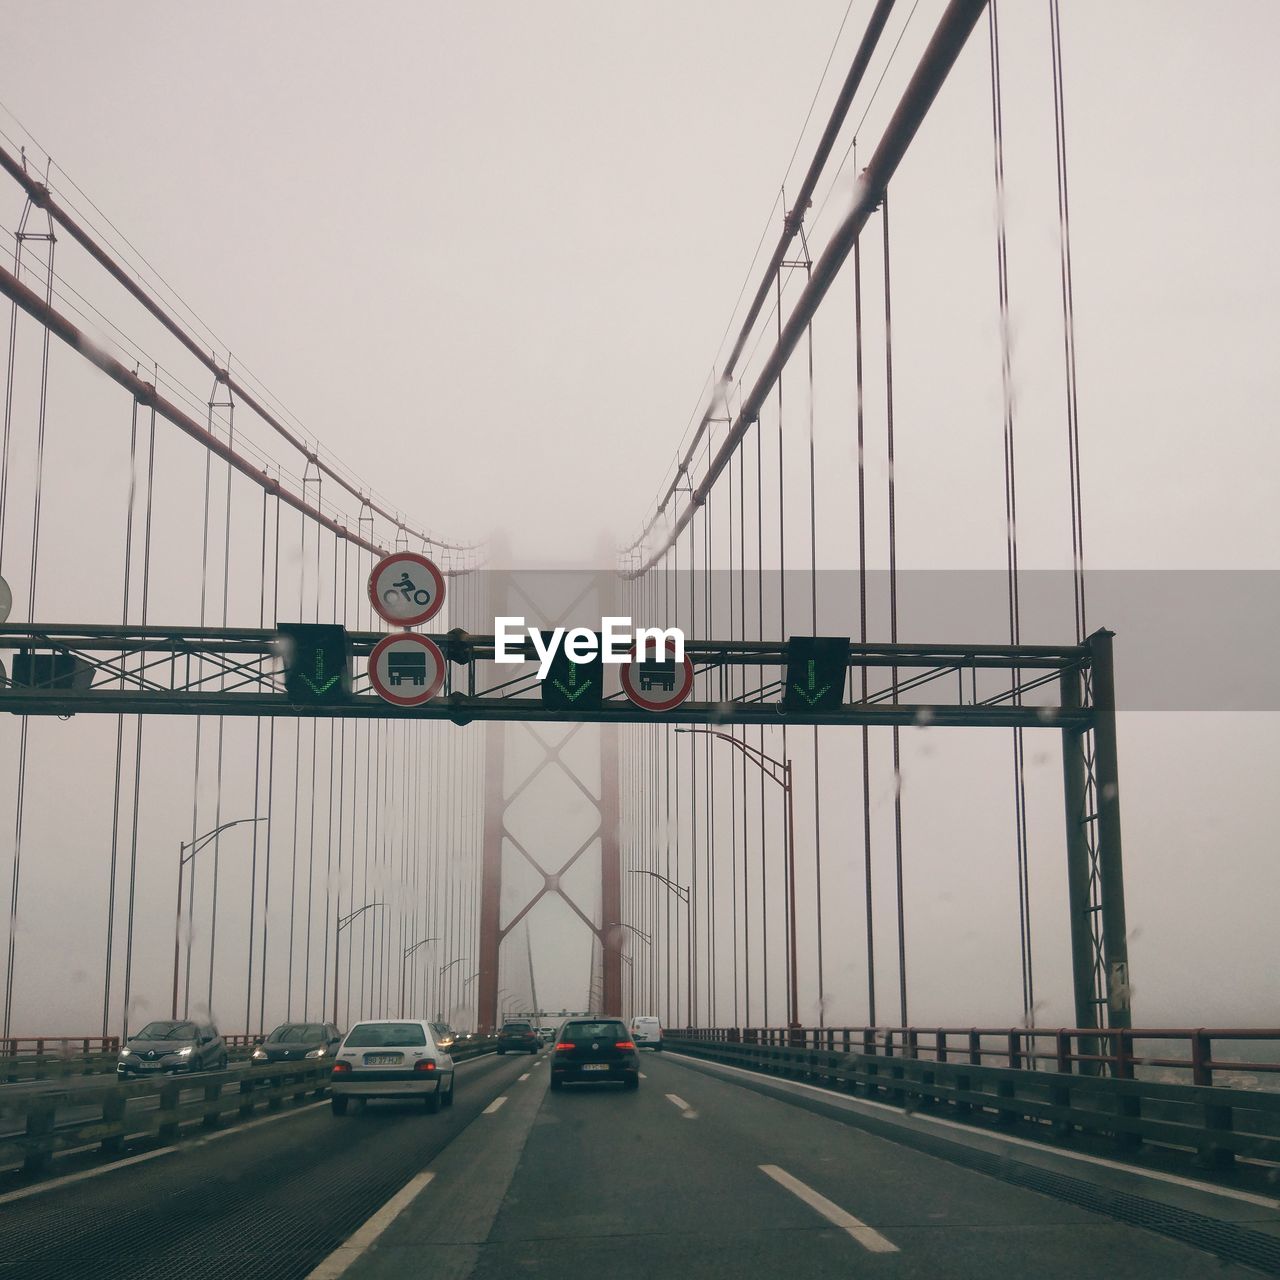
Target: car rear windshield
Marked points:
516	1026
580	1032
297	1033
374	1035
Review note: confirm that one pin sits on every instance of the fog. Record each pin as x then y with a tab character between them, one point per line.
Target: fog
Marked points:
487	255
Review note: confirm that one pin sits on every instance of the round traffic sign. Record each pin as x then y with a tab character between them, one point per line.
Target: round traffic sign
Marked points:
657	685
406	589
406	669
6	600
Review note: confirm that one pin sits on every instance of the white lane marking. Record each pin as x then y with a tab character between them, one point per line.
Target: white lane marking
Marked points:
676	1101
643	1076
69	1178
524	1077
1245	1197
495	1105
358	1243
868	1237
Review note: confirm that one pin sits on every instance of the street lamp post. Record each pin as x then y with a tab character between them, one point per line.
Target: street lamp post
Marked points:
404	960
646	939
681	892
631	982
466	982
780	772
440	987
342	922
186	852
622	924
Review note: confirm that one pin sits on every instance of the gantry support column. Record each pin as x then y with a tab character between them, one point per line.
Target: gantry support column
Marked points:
611	940
1106	776
1075	789
1095	863
495	752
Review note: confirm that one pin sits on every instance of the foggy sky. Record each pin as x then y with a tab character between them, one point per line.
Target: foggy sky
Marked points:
487	253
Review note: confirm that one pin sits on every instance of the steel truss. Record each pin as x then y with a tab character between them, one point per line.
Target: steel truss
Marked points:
238	671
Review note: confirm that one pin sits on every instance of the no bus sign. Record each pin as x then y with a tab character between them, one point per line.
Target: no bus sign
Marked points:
659	683
406	669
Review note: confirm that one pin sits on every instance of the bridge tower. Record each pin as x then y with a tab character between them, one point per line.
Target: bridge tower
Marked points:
509	829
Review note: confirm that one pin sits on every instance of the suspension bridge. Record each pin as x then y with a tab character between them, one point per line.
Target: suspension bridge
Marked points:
200	710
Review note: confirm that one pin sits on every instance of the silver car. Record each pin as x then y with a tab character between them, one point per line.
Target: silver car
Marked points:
391	1058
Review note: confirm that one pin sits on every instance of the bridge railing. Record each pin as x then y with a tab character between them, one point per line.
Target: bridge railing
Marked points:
1058	1082
1248	1057
35	1126
53	1057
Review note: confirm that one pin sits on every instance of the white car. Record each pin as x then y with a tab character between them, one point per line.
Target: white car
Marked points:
646	1031
391	1058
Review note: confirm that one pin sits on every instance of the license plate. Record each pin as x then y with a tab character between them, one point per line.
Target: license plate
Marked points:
381	1059
595	1066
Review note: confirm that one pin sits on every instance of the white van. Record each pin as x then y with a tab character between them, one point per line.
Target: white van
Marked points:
646	1031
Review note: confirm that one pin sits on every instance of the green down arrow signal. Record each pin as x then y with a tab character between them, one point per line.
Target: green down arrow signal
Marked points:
573	693
320	685
808	694
817	667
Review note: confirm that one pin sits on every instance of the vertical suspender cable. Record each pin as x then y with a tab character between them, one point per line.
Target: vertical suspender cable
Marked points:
733	692
1068	320
764	879
893	616
1011	510
257	786
222	681
271	783
115	802
195	772
862	631
813	602
788	876
708	743
31	604
137	748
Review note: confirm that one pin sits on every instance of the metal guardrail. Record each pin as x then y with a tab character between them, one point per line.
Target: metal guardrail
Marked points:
920	1071
21	1046
1122	1053
27	1059
120	1111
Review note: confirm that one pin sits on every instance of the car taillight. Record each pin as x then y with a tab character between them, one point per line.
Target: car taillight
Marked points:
625	1044
340	1067
564	1044
426	1064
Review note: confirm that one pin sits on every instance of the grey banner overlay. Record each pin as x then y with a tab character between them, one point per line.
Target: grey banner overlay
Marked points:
1186	640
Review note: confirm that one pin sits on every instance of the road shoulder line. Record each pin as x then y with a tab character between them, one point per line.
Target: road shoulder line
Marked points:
868	1237
357	1244
473	1174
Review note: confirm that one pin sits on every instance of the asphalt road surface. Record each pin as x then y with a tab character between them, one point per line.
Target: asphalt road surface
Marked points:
270	1198
691	1175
